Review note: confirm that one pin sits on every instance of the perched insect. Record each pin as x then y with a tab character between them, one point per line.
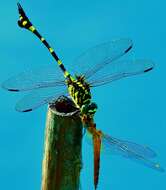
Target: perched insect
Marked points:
98	66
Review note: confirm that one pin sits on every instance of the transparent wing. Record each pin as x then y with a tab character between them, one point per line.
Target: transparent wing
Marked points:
40	78
118	145
130	150
96	58
107	148
133	151
120	69
39	97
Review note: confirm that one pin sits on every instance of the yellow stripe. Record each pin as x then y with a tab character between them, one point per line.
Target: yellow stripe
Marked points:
21	17
42	39
24	23
66	74
80	85
59	62
76	94
76	97
51	50
87	100
32	28
70	89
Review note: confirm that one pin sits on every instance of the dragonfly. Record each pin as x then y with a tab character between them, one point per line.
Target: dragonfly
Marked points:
97	66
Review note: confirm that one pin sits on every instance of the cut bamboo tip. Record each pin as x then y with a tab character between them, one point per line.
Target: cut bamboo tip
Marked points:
62	160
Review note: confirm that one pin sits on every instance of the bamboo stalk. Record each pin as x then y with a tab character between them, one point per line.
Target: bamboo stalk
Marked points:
62	161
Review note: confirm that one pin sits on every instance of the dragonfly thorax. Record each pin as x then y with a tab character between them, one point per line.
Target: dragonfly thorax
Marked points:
79	90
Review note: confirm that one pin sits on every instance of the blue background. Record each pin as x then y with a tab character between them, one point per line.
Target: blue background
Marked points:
132	108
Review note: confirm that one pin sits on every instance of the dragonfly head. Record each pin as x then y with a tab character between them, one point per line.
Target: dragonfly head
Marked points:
89	109
92	108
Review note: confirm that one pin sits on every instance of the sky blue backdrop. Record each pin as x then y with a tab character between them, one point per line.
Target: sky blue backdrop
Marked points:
132	108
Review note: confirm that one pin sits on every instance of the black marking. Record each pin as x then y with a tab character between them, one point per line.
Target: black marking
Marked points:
62	67
46	44
21	11
55	56
24	18
13	90
27	110
148	70
27	26
20	24
128	49
37	34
